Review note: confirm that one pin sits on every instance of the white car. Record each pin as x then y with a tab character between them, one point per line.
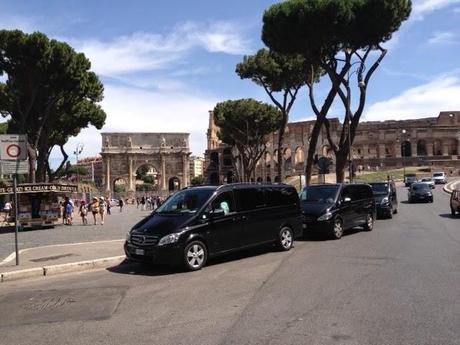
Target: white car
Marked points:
428	180
439	177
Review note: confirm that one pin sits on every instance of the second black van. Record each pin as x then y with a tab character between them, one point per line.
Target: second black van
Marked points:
200	222
333	208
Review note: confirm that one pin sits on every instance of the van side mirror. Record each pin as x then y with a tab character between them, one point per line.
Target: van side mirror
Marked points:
346	199
217	213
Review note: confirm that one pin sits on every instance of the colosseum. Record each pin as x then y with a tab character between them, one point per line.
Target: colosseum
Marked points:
433	141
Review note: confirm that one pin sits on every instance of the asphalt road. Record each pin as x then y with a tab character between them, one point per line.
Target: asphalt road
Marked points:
398	284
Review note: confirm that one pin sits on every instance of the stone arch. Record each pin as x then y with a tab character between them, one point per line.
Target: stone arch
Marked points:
287	157
214	158
326	151
214	179
406	149
173	184
421	148
455	146
299	156
269	179
120	185
230	177
259	179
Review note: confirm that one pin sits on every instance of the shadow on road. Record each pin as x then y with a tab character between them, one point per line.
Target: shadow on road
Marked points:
146	269
449	216
318	235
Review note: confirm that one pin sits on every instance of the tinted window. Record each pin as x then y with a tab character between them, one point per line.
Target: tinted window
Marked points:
186	201
420	186
288	196
364	192
225	202
379	188
273	197
438	174
250	198
326	193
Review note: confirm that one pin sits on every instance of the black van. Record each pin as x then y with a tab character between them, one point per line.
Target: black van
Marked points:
334	208
199	222
386	199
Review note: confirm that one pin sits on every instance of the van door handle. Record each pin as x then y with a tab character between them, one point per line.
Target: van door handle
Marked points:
243	218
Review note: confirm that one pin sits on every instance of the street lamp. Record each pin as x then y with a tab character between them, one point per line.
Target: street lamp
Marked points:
78	150
403	146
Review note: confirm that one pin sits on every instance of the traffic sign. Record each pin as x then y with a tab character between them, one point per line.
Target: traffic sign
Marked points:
13	147
14	167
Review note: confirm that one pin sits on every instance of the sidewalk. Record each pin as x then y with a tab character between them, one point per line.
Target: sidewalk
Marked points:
62	258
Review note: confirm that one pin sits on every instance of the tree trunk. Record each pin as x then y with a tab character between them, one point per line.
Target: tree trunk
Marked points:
312	149
280	146
32	160
341	158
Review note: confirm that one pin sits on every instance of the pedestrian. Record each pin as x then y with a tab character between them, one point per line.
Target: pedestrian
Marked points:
94	207
120	204
137	202
68	212
102	209
143	203
109	208
83	212
7	210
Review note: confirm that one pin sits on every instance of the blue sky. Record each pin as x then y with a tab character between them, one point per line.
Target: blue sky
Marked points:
164	64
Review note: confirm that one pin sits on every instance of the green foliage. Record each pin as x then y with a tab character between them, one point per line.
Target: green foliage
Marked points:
197	181
3	127
141	173
119	188
245	122
274	71
321	28
50	92
146	187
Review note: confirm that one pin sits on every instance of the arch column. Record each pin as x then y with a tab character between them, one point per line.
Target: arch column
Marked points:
413	147
130	172
184	171
381	151
445	148
107	175
163	172
429	149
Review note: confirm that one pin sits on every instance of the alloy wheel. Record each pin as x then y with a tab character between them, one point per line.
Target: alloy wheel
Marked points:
286	238
196	255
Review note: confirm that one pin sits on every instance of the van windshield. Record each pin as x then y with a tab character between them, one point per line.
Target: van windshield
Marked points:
379	188
324	194
186	201
438	174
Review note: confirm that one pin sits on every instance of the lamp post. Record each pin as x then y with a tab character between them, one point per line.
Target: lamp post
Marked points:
403	146
78	150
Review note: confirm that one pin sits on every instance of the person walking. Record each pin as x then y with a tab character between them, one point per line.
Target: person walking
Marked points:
68	212
83	212
102	209
143	203
94	207
120	204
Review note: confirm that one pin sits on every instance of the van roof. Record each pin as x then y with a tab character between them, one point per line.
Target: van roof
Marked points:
241	184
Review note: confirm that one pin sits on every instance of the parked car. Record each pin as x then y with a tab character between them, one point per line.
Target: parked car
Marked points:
409	179
200	222
420	192
455	202
429	181
334	208
386	199
439	177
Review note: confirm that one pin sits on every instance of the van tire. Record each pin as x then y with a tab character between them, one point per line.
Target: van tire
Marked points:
195	255
337	229
369	224
285	239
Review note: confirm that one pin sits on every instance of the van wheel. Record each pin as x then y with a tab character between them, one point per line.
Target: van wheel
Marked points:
195	256
390	214
285	239
369	225
337	229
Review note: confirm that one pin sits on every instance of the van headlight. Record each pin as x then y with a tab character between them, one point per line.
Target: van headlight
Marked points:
326	216
384	201
168	239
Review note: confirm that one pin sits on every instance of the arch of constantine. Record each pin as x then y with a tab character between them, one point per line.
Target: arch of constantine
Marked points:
433	141
163	157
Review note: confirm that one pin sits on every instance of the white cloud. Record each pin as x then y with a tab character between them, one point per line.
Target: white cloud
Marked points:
423	7
422	101
147	51
138	110
444	37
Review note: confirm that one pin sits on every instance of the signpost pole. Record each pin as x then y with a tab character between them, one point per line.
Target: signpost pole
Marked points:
16	226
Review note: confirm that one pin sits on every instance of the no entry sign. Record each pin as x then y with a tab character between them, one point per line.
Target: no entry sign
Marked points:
13	147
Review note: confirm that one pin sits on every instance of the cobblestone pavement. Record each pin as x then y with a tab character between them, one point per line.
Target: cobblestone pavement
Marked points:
116	226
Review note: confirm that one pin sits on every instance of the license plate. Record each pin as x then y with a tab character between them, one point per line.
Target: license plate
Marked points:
304	226
139	251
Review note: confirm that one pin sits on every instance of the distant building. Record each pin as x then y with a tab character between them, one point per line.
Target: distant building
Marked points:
196	166
432	141
93	167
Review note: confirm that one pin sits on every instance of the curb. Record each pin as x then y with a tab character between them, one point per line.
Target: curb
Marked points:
53	270
447	187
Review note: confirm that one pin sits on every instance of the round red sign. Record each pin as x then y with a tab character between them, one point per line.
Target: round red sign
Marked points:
13	151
